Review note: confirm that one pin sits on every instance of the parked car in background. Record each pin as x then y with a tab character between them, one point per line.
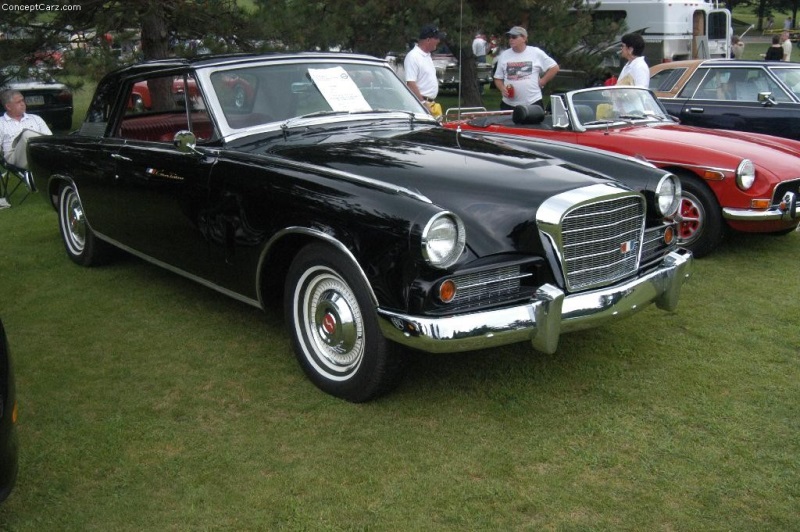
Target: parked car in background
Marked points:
8	420
234	90
449	74
335	189
44	96
755	96
447	69
730	180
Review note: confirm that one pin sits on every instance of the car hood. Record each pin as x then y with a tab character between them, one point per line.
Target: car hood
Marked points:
692	145
493	186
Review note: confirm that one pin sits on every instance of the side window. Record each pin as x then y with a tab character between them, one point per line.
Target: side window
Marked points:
665	80
764	83
156	110
691	86
100	110
748	83
718	84
790	77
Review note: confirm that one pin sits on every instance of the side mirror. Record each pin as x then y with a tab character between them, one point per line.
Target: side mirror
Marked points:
766	98
185	141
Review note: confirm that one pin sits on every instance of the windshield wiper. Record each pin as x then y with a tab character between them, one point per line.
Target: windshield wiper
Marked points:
315	114
596	122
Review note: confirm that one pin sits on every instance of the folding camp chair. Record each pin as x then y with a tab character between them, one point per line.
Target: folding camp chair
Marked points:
11	177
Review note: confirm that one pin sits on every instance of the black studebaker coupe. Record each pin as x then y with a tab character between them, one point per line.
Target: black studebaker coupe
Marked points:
320	177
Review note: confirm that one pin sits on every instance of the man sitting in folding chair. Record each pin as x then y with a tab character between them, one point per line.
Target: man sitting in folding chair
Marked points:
16	127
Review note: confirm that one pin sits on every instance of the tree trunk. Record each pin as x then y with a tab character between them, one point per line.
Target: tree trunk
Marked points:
470	88
155	39
155	45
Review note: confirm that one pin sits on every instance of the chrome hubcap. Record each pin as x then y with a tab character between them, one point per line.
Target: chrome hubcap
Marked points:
333	322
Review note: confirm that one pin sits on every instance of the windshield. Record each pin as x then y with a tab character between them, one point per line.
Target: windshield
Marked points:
615	104
281	93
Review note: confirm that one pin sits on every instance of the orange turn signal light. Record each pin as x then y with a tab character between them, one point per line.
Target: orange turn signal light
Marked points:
762	203
713	175
669	235
447	291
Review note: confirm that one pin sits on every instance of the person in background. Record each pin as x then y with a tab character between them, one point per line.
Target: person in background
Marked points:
16	127
479	46
635	72
419	69
787	24
775	51
737	47
522	71
786	44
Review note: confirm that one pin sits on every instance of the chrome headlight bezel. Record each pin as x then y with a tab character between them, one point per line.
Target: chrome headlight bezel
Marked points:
745	174
443	240
668	195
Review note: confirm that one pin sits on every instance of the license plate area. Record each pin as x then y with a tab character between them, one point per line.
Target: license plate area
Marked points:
34	100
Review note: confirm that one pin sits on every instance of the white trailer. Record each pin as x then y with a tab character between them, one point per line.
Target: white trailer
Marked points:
672	29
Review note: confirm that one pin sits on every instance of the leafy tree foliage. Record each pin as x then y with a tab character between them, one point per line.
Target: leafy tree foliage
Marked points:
564	28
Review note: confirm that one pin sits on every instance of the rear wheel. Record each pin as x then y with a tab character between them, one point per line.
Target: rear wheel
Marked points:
81	244
701	228
334	329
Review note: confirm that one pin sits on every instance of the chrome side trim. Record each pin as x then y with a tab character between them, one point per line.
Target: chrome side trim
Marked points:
548	314
235	295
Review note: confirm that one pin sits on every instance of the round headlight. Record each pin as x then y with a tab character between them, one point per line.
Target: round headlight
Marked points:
668	195
745	174
443	240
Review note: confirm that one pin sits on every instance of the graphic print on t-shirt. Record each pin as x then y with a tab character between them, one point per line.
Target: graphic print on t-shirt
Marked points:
519	70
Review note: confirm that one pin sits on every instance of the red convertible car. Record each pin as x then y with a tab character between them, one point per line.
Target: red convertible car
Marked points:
731	180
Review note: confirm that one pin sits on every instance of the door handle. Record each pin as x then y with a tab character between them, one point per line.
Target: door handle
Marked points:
695	110
119	157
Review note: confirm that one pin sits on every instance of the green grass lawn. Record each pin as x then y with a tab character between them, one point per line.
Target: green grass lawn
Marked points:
148	402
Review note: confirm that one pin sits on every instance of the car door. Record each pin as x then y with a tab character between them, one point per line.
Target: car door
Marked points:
728	98
160	192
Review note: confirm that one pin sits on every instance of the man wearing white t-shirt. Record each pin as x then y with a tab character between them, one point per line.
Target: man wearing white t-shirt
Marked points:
522	71
786	44
635	73
419	70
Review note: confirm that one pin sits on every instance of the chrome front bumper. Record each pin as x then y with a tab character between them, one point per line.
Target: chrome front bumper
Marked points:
548	314
788	210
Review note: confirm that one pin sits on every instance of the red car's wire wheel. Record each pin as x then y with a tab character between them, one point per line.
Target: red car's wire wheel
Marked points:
692	217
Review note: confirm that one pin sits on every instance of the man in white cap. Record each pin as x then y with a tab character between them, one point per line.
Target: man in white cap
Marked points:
522	71
420	72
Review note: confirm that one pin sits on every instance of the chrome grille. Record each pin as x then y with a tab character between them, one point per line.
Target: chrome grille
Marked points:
488	286
654	247
601	241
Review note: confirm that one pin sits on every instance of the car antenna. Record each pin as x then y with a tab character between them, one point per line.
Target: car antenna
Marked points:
460	62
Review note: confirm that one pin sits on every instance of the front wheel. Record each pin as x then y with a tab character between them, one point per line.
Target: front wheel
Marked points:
334	329
81	244
701	228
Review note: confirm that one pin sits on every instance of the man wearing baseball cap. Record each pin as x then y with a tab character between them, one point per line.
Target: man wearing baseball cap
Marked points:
522	71
420	72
